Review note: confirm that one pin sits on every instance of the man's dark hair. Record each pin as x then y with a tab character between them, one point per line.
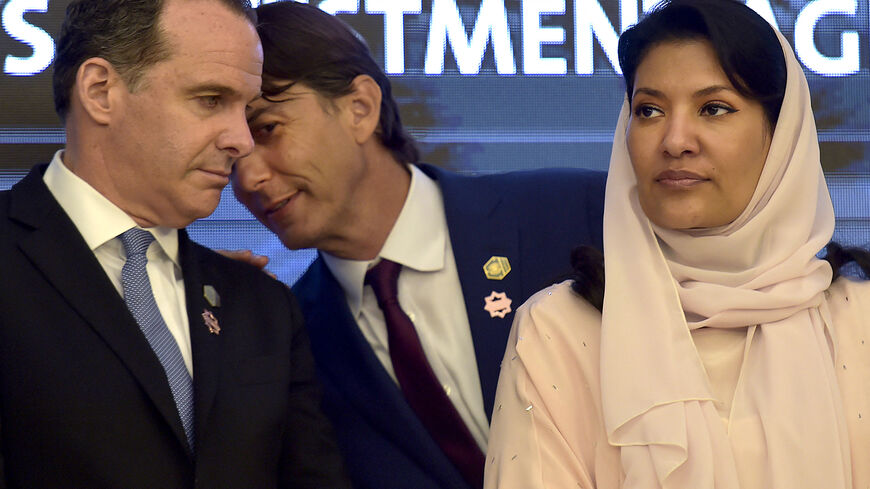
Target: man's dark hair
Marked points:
303	44
126	33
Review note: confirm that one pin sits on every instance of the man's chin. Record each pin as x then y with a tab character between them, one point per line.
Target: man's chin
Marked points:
200	210
293	242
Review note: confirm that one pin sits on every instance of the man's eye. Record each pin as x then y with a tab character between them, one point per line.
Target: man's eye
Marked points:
210	101
264	131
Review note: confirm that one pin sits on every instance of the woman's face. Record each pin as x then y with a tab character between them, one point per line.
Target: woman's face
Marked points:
696	145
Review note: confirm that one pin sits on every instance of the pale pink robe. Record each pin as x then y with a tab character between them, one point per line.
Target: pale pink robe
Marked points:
560	442
640	382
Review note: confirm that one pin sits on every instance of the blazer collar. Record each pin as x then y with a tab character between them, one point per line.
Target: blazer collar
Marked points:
73	270
206	346
482	226
345	360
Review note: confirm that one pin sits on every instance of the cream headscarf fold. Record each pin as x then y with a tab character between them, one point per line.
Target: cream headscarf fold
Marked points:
787	428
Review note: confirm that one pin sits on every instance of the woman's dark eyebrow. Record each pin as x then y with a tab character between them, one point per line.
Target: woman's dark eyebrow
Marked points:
650	91
700	93
712	89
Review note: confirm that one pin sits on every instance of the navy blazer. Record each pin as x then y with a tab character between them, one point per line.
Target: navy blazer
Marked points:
534	219
84	401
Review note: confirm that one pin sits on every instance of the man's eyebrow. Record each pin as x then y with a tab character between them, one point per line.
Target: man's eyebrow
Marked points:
254	114
212	88
256	97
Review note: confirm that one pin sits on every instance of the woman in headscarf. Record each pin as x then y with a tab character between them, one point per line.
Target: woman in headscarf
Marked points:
722	356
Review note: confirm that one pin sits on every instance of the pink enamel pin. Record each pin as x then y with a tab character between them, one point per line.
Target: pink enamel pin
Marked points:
497	304
211	322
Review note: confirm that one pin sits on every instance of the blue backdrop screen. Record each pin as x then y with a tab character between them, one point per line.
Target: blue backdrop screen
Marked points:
487	86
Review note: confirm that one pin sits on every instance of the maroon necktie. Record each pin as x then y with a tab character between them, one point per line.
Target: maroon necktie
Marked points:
421	387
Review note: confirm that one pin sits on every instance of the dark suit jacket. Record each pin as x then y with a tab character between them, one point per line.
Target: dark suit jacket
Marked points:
534	218
84	401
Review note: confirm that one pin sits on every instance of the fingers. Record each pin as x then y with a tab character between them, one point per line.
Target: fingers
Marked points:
249	257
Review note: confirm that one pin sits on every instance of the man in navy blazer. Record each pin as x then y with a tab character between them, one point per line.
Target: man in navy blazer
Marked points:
190	370
333	169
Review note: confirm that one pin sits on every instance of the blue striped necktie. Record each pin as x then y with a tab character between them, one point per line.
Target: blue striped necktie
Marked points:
140	301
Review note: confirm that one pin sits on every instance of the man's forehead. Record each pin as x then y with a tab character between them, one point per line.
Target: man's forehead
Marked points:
291	91
205	21
279	101
211	46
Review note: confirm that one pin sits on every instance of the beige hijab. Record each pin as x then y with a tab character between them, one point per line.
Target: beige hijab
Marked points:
786	428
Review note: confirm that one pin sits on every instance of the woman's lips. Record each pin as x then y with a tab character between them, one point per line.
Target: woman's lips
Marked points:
680	178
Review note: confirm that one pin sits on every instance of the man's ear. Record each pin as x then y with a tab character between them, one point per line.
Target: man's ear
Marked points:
363	107
96	82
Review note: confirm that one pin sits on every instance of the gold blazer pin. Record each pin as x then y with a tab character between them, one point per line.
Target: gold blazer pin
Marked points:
497	267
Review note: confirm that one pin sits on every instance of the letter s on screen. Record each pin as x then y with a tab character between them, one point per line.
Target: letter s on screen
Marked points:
27	33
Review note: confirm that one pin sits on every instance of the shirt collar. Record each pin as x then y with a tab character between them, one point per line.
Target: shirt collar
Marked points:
417	240
97	219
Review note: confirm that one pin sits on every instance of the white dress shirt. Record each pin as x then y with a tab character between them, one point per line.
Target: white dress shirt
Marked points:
100	222
429	293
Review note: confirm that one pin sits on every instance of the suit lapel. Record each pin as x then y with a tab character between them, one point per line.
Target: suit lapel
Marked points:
74	272
347	362
481	227
204	344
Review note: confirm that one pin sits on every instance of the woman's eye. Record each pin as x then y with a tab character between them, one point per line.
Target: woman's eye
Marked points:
716	110
647	111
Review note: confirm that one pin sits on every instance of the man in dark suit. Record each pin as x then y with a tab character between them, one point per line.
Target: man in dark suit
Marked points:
409	362
130	356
